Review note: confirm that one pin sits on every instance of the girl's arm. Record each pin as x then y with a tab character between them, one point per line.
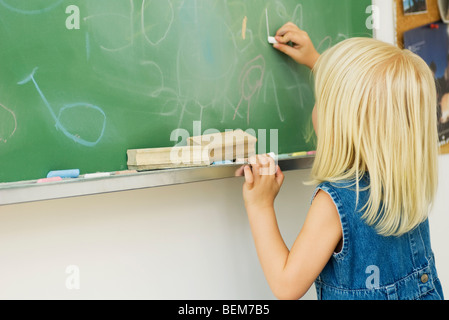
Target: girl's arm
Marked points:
302	49
289	273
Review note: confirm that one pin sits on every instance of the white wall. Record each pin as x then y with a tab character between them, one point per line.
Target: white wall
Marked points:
182	242
188	241
384	15
439	225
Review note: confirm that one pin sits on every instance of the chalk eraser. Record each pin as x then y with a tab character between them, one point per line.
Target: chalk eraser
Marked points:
272	40
73	173
53	179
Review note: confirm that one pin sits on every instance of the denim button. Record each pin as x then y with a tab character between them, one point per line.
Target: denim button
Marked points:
424	278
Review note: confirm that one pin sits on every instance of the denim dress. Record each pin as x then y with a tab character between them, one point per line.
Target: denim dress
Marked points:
370	266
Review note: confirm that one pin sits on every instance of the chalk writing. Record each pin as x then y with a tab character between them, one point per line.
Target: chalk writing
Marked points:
75	137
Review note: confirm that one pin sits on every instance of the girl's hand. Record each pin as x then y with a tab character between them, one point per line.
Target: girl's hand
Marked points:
302	50
263	180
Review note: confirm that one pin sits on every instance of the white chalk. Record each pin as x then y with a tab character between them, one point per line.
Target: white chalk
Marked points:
96	175
272	40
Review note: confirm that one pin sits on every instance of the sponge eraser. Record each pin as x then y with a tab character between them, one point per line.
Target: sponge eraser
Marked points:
72	173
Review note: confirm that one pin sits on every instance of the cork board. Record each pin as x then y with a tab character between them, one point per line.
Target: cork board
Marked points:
407	22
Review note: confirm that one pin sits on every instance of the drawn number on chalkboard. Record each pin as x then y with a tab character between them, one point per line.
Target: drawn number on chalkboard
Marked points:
76	111
73	20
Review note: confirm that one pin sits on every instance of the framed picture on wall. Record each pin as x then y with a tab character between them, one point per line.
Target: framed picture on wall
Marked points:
431	43
414	6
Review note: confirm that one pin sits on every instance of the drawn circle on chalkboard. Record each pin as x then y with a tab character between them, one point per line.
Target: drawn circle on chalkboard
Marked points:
157	21
84	123
27	6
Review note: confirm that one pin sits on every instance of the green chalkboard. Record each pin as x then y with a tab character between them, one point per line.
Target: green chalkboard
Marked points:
83	81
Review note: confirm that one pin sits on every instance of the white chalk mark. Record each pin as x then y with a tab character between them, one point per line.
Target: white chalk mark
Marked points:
322	46
271	39
270	78
4	136
281	10
117	15
298	16
35	11
56	118
266	16
157	91
170	21
341	37
254	68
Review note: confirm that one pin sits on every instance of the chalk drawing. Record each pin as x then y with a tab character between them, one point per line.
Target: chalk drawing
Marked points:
341	37
241	45
328	42
164	18
7	130
281	11
297	16
324	44
56	118
28	11
270	78
157	71
251	80
117	16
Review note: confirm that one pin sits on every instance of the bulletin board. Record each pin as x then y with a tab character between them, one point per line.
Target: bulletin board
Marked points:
408	22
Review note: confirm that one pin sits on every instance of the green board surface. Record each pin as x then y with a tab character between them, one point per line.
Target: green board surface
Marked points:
81	82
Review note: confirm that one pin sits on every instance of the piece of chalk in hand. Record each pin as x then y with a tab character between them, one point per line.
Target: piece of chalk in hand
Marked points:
272	40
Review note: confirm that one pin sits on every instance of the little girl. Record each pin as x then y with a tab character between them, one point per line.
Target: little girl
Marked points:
366	235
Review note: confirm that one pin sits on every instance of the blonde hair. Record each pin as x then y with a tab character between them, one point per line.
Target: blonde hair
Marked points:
376	114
